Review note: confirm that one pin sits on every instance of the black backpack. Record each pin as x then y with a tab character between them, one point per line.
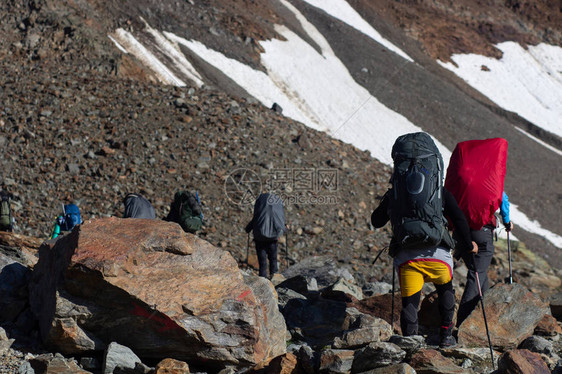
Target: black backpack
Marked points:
416	197
186	210
6	222
269	217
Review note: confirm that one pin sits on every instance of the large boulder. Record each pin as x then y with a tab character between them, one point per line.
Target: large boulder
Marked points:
512	312
157	290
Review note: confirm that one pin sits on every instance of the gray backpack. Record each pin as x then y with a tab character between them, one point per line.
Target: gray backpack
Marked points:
416	197
137	206
269	217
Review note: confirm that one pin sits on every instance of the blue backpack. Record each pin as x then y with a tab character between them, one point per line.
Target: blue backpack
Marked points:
70	218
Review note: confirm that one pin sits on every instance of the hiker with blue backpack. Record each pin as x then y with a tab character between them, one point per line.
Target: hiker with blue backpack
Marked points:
267	225
64	223
418	206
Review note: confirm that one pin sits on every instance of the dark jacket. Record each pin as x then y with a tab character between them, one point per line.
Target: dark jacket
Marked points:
380	217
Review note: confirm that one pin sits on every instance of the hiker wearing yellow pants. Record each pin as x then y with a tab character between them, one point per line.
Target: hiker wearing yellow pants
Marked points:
417	266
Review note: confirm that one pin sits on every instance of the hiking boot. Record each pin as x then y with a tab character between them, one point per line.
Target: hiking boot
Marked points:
447	341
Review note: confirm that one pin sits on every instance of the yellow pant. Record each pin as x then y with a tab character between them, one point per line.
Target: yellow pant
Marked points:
413	274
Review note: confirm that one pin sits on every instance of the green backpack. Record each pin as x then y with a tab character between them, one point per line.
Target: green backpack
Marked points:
186	211
6	222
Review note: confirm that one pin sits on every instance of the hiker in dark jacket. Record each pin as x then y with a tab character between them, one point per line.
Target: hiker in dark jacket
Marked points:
434	264
267	224
136	206
484	238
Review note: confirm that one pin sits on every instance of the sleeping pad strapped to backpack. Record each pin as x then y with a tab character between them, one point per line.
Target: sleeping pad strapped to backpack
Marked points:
269	217
416	197
475	177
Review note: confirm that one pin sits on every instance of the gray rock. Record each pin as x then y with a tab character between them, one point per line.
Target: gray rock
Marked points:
377	355
73	168
537	344
117	355
25	368
515	312
410	344
286	294
323	268
362	330
377	288
336	361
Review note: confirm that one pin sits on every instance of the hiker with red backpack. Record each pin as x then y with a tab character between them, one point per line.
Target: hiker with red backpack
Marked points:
421	245
475	177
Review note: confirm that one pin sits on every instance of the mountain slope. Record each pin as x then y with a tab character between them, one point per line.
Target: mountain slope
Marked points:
64	42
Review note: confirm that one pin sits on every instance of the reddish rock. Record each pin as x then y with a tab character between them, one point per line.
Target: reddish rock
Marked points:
151	287
522	361
285	364
430	361
381	306
548	326
171	366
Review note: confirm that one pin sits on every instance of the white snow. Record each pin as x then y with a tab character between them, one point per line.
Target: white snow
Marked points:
527	82
133	46
555	150
341	10
119	46
173	52
521	220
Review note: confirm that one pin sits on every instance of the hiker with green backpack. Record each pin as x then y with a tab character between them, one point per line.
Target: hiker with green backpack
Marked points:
186	211
418	206
6	219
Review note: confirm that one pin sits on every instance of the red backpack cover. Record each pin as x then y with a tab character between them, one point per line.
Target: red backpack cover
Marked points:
475	177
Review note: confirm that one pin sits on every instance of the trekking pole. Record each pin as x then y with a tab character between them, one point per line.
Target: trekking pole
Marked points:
248	250
287	249
392	313
483	311
379	254
197	196
509	257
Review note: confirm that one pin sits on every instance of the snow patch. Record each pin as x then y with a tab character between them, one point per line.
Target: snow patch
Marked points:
178	58
527	82
133	46
341	10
